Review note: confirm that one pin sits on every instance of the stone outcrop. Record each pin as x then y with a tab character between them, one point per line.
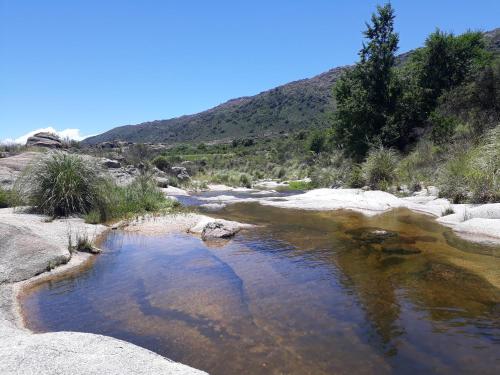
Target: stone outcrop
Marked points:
12	166
24	254
82	353
180	172
29	246
44	139
109	163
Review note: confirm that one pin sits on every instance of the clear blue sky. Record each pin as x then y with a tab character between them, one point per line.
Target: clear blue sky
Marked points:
96	64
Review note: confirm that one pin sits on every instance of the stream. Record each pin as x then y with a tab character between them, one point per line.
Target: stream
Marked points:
304	292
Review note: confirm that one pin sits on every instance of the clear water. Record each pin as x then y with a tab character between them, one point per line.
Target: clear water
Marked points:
304	293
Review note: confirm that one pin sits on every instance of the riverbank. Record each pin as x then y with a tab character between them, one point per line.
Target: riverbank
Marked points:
33	249
37	248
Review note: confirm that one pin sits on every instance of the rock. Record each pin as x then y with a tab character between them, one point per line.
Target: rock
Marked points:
44	139
371	235
162	182
180	172
107	145
336	185
29	246
404	189
4	155
217	229
82	353
400	250
432	190
24	254
108	163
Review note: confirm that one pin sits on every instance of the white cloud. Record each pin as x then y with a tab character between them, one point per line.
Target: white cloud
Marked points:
66	133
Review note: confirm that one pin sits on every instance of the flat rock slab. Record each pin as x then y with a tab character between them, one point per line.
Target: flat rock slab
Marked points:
24	254
12	166
81	353
30	245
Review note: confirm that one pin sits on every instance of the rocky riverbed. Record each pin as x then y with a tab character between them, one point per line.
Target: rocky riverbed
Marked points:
33	248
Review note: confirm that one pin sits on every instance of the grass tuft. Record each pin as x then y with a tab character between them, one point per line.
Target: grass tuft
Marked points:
379	169
61	184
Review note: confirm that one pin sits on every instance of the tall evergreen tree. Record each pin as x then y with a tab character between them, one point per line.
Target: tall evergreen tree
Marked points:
366	95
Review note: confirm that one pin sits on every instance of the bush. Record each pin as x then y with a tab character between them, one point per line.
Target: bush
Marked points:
420	165
443	128
141	196
453	177
484	174
379	169
245	180
317	142
61	184
356	178
5	200
299	185
473	174
162	163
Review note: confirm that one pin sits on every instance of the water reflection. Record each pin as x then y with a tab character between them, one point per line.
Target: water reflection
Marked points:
304	293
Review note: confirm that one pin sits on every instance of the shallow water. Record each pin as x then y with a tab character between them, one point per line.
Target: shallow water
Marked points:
304	293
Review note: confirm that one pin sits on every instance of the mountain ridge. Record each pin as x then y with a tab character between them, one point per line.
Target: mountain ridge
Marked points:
297	105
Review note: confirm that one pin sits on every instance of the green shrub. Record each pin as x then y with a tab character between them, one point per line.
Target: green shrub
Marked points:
317	142
379	169
61	184
356	178
300	185
473	174
5	198
141	196
245	180
281	173
162	163
443	128
484	174
453	177
420	165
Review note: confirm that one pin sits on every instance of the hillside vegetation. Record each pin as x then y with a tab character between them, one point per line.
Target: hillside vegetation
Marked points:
429	117
294	106
302	105
431	120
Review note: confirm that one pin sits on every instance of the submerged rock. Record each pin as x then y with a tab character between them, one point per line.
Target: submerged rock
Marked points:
400	250
371	235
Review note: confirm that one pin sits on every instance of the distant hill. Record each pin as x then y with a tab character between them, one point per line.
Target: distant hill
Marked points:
298	105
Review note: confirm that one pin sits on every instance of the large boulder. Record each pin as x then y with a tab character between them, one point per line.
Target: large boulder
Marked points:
180	172
109	163
44	139
162	182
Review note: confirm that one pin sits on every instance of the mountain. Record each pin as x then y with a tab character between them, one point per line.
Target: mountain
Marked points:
296	105
302	104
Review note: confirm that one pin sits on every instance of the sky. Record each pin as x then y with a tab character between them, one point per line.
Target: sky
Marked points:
84	67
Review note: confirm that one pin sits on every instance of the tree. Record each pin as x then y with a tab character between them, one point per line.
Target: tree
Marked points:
317	142
366	95
445	62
